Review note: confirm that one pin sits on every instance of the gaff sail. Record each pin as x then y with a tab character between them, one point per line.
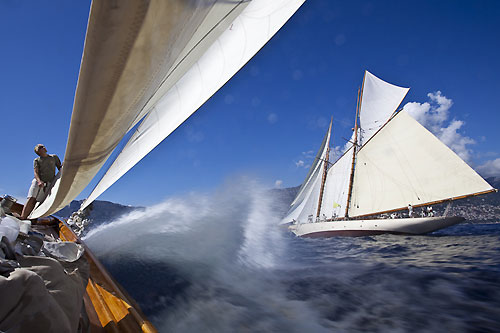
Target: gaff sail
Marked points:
379	101
246	35
405	163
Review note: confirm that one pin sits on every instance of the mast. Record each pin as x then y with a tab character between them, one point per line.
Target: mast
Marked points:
325	170
351	179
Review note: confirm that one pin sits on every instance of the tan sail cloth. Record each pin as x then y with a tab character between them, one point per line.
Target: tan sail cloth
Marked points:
406	164
130	48
42	296
179	97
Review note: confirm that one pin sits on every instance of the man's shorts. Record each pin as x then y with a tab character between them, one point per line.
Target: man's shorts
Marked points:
36	191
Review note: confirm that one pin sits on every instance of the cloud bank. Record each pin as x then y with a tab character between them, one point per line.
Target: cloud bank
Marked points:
435	116
490	168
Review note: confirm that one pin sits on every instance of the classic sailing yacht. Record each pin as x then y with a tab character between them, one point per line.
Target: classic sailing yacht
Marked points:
391	165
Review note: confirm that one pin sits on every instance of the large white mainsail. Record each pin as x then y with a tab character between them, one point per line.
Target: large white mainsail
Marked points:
406	164
133	50
379	100
256	24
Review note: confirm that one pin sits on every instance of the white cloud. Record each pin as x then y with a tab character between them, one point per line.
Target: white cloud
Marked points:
336	152
300	163
308	154
434	115
306	159
278	183
490	168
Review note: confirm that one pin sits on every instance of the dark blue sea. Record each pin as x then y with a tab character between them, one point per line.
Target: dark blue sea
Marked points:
217	262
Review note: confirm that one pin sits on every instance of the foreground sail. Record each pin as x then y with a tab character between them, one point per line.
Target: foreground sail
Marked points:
135	51
396	164
256	24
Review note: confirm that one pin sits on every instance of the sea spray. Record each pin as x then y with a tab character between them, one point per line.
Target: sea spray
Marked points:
216	262
216	253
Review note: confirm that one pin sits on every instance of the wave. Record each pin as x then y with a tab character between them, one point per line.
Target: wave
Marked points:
217	262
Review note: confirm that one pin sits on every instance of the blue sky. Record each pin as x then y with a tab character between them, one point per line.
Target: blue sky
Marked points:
266	120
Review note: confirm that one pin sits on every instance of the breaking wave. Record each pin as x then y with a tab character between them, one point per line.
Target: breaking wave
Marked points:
216	262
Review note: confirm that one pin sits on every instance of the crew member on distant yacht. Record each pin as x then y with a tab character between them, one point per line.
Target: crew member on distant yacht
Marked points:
430	212
410	210
45	171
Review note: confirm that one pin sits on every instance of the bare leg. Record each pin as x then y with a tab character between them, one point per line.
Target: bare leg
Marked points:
28	207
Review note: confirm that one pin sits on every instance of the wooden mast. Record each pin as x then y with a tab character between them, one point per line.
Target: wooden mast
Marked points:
325	170
351	179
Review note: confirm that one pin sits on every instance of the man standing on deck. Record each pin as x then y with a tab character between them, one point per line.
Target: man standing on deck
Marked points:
410	210
45	171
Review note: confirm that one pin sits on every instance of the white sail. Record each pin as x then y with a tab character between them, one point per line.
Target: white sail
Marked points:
308	205
218	19
406	164
133	50
317	164
380	100
307	199
336	187
256	24
129	49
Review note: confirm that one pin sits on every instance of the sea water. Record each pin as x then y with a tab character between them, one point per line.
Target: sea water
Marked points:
217	262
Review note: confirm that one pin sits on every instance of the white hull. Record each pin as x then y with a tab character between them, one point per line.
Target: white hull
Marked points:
407	226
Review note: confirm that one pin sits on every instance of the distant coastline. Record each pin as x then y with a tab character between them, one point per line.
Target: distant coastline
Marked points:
481	209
